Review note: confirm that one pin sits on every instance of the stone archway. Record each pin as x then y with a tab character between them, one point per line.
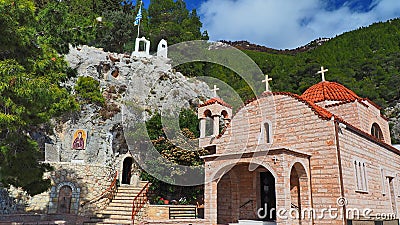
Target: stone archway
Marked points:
64	199
299	192
127	170
242	192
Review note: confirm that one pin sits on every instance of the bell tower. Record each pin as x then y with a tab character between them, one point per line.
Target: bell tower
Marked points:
212	114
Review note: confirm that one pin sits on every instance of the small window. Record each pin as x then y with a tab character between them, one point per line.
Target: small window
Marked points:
209	123
360	176
376	131
267	138
398	185
383	181
265	134
212	149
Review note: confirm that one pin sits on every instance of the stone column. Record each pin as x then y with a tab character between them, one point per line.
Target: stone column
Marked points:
202	127
210	202
216	125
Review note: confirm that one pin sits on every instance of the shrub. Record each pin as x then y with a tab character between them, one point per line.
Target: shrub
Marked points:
88	91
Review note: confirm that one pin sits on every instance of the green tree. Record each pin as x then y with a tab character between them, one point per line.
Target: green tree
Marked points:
169	149
30	74
118	33
172	21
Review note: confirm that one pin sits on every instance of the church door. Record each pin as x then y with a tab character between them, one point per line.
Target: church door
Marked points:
126	170
64	199
268	197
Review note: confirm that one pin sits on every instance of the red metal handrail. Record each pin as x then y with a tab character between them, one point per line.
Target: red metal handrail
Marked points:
139	201
109	192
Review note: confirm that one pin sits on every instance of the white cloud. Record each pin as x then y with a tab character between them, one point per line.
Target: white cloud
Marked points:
286	23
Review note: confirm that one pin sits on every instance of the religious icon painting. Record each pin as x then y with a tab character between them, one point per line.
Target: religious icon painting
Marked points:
79	139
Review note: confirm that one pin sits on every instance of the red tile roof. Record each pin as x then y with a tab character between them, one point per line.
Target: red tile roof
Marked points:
331	91
215	100
322	91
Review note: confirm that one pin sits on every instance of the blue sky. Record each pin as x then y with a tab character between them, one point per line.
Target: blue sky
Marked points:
288	24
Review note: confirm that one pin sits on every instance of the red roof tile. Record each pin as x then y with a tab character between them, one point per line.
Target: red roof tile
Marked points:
215	100
331	91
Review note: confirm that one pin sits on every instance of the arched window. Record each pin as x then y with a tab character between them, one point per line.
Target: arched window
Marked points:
376	131
209	123
223	120
265	133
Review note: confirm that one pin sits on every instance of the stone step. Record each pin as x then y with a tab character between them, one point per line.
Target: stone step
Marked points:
131	193
126	201
121	217
128	189
117	212
127	194
124	198
126	207
121	205
118	221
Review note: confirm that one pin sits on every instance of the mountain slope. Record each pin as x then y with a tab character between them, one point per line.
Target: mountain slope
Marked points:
366	60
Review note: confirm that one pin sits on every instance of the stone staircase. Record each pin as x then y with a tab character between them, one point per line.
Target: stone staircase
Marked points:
119	211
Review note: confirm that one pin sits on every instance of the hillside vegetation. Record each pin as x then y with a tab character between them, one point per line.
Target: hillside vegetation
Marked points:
366	60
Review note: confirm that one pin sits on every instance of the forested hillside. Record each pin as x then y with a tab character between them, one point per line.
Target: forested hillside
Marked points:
365	60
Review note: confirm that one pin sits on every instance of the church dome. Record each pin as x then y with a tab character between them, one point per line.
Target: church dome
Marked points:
329	91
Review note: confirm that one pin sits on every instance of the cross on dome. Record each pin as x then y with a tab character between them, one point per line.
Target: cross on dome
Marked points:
266	81
215	91
322	71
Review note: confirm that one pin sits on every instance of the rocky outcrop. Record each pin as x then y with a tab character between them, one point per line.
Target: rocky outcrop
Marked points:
7	203
146	84
394	121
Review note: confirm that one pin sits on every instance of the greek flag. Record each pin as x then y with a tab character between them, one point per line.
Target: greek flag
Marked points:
138	16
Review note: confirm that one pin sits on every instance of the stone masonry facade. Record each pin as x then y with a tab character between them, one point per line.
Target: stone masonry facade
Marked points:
318	154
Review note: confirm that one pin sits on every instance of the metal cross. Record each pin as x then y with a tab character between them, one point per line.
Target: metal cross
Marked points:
215	90
266	81
322	71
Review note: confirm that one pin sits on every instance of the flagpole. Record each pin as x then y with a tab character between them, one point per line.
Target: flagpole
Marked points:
140	9
138	29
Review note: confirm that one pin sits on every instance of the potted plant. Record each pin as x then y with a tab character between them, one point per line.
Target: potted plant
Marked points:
159	200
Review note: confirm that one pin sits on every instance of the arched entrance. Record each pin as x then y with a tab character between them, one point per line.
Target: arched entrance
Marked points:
298	192
64	199
127	170
241	193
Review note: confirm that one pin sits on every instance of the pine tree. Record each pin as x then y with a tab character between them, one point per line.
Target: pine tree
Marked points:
30	74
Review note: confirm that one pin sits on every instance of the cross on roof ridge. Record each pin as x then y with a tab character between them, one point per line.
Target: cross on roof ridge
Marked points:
266	81
322	72
215	91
